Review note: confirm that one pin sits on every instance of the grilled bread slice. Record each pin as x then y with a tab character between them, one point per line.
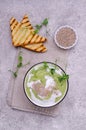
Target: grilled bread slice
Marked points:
13	23
26	23
23	35
35	38
36	47
19	33
14	26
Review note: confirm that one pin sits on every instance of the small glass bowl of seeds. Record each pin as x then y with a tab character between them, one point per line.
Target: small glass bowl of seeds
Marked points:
65	37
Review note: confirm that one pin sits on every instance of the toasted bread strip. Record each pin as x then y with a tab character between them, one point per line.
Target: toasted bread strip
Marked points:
31	39
16	29
24	37
37	38
23	34
14	32
13	23
35	47
20	33
26	23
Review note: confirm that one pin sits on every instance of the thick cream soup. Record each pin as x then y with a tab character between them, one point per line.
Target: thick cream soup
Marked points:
42	84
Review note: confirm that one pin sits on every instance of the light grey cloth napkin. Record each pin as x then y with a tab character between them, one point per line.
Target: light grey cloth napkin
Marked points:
16	96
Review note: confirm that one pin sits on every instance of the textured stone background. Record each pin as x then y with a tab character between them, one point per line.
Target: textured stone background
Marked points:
72	111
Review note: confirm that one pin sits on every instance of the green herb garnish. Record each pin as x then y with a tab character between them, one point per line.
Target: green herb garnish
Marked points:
52	70
36	31
19	65
45	64
45	22
20	59
39	26
63	77
14	73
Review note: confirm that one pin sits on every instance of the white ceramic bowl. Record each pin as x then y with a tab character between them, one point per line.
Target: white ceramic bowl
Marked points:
57	30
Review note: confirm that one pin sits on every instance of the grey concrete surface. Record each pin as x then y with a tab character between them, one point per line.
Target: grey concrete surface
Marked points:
72	112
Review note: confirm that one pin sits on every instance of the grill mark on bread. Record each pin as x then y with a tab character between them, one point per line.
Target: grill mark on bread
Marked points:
31	47
27	25
12	20
34	38
26	22
43	39
16	29
23	39
38	39
37	47
41	48
18	36
14	24
45	49
28	39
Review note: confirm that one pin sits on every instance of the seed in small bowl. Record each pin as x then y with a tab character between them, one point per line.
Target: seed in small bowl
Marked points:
65	37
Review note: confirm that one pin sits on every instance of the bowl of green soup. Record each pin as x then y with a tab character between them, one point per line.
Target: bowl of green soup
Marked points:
45	84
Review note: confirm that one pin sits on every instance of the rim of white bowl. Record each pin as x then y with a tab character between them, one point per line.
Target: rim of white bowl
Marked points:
57	30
